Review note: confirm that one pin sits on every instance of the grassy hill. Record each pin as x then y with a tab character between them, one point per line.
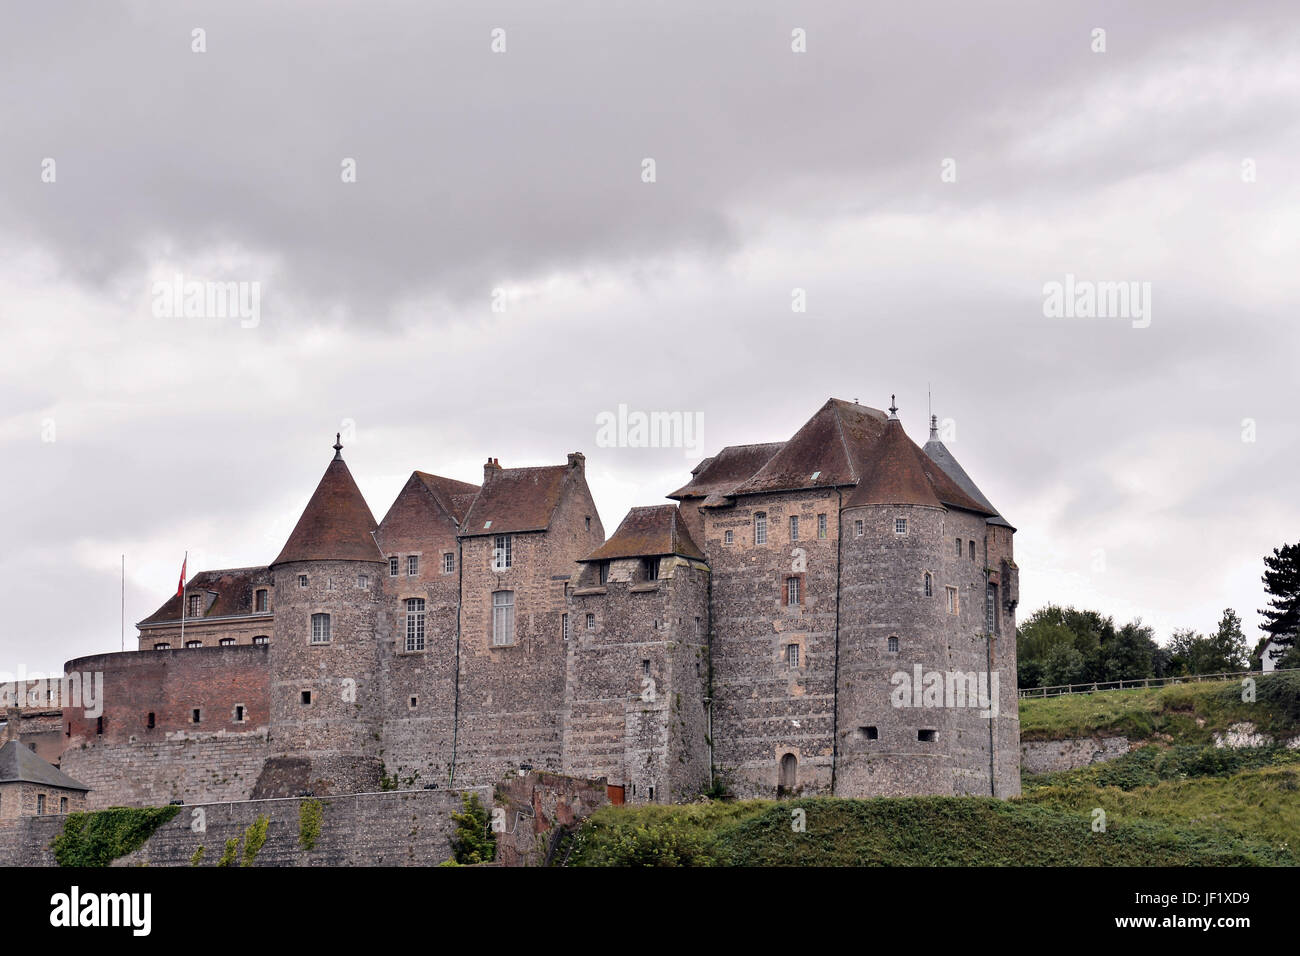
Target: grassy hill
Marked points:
1176	800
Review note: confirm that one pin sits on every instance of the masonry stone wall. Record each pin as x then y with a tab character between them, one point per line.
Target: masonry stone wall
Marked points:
1053	756
511	697
179	766
326	697
25	799
401	828
765	706
637	682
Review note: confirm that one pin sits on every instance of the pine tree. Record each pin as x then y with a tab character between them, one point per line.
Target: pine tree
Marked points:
1282	582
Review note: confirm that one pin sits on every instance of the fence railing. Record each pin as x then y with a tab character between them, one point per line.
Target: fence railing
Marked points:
1059	690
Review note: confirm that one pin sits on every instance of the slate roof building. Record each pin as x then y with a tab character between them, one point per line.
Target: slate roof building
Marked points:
779	627
31	787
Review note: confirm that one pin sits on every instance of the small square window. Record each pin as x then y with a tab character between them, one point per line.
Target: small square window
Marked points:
870	733
363	581
900	526
729	537
305	697
893	645
302	580
413	702
926	736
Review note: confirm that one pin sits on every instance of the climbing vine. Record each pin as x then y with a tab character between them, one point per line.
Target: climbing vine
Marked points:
99	837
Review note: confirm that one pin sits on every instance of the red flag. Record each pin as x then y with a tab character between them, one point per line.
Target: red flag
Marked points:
180	588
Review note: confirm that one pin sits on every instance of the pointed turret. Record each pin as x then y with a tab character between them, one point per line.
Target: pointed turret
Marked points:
337	524
938	453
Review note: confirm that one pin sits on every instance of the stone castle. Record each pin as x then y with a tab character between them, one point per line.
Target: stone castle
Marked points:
753	636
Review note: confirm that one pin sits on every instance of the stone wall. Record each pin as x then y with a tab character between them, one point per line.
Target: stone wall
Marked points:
183	766
1053	756
401	828
539	809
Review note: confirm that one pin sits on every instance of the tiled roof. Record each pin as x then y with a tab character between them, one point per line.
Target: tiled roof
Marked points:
454	496
826	452
649	532
937	452
233	588
336	525
18	764
899	473
728	468
516	499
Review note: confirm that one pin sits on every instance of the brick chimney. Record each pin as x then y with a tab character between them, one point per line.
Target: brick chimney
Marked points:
491	468
578	461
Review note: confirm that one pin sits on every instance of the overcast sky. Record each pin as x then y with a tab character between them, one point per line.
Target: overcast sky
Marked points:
515	178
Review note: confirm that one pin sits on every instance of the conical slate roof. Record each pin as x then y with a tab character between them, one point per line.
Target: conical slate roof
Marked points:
18	764
648	532
937	452
336	525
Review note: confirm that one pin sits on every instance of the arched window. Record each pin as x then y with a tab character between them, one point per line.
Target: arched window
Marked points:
503	618
760	527
789	773
929	584
261	639
893	644
415	624
320	628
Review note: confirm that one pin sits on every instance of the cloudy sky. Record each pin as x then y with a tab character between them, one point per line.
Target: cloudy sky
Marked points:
500	272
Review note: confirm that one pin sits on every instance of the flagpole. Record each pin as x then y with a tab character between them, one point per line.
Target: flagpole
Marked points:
124	602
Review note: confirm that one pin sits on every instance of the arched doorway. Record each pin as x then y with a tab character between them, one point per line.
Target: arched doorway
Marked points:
789	774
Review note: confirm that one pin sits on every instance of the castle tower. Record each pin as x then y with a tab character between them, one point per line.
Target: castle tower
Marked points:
326	712
917	660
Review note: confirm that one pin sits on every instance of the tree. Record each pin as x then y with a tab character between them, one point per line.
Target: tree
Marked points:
1228	644
1282	582
473	842
1130	654
1064	664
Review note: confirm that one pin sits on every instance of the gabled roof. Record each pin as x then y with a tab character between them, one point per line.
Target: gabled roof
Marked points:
18	764
336	525
233	588
826	452
937	452
516	499
454	496
649	532
728	468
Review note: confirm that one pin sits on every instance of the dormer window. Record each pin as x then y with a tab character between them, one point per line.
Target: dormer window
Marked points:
602	569
652	569
195	603
261	604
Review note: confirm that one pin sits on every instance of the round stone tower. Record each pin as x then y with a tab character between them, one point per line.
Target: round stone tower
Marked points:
326	712
914	687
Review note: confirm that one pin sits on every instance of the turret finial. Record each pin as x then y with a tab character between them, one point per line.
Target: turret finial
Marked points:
338	446
934	427
893	406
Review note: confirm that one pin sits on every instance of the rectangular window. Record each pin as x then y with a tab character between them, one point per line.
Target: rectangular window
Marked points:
363	581
794	527
63	804
900	526
926	736
194	604
320	628
591	622
503	618
792	591
261	602
652	569
792	656
392	566
760	528
991	609
193	643
858	528
603	572
501	556
261	639
952	600
729	537
448	563
564	626
162	646
415	624
645	668
40	803
821	526
412	565
972	550
302	580
959	547
870	733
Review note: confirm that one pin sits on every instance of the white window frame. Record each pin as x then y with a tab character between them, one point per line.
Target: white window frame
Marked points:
448	562
503	618
414	625
502	553
394	565
760	527
412	565
591	621
320	628
729	537
792	656
859	528
564	627
794	528
793	589
900	526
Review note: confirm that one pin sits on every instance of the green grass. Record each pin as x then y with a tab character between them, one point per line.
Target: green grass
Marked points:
908	831
1186	713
